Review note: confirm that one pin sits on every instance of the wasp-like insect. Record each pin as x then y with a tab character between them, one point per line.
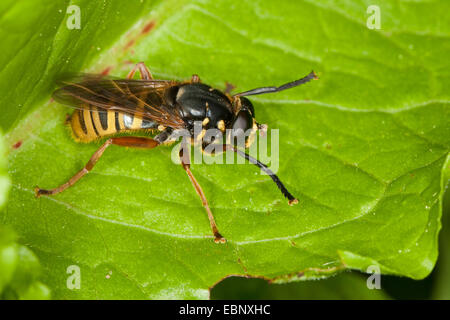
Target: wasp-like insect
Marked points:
107	107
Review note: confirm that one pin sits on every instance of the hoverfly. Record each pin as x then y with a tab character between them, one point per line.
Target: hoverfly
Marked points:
108	107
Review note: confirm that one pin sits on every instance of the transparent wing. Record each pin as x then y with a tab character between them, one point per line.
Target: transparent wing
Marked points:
144	98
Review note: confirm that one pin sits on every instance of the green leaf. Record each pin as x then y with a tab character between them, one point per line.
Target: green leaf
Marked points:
441	283
37	45
24	283
345	286
8	257
8	252
19	267
363	148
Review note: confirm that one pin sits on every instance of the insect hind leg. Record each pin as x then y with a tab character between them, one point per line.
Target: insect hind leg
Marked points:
133	142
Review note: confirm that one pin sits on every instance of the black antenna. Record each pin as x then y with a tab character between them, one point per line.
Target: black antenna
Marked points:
262	166
309	77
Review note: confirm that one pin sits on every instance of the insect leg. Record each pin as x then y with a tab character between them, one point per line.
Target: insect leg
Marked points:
134	142
187	167
262	129
164	135
143	70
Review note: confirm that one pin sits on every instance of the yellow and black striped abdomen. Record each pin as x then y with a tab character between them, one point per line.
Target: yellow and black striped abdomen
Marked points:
90	124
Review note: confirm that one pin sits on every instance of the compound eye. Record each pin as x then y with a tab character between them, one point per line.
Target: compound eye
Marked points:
241	124
243	121
247	105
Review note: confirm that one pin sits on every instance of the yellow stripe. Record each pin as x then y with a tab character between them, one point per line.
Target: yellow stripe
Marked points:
137	123
111	122
88	122
121	124
76	126
137	120
98	124
84	114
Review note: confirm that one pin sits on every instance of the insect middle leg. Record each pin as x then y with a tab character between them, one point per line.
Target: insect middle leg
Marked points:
184	157
143	70
133	142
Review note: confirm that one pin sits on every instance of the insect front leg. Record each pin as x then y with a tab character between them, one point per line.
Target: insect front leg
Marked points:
262	129
143	70
184	157
133	142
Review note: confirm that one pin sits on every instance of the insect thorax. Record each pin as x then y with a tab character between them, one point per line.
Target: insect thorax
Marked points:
200	102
